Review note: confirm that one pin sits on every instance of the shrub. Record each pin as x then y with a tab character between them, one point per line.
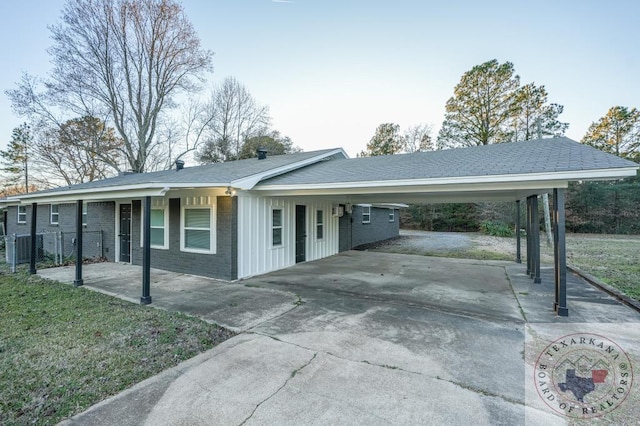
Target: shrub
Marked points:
496	229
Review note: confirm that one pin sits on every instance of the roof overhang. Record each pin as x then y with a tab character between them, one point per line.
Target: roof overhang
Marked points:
158	189
107	193
446	190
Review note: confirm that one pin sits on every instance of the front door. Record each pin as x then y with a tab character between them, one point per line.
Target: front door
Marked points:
301	233
125	233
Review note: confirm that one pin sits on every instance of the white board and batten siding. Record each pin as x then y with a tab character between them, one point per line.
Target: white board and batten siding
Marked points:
256	252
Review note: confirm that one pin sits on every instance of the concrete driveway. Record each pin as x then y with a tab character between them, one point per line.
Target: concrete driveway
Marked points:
361	338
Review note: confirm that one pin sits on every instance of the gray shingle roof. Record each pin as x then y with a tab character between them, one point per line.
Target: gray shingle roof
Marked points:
216	173
534	156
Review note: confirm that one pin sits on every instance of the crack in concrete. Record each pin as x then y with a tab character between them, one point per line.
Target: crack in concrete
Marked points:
394	301
293	374
248	330
397	368
331	354
513	290
482	391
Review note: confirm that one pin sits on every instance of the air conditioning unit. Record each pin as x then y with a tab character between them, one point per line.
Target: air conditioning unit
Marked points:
337	211
22	248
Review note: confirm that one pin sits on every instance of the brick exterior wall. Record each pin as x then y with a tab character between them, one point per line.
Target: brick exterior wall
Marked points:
98	236
222	265
354	233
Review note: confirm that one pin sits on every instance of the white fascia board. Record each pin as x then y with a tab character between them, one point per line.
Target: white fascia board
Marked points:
111	193
603	174
538	187
250	181
64	197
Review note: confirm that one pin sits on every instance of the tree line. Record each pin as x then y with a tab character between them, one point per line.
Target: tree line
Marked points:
488	106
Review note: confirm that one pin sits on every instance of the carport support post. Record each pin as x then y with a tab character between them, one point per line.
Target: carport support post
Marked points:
556	270
528	231
560	253
32	260
518	253
146	253
78	281
535	274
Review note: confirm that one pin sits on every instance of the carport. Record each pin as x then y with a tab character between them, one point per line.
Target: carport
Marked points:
516	172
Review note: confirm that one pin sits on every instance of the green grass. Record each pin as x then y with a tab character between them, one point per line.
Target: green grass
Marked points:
62	349
615	260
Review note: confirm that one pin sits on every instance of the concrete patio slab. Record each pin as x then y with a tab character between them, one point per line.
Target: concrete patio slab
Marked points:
235	306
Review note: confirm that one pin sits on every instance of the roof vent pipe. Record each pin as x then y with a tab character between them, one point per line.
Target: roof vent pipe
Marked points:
179	165
262	153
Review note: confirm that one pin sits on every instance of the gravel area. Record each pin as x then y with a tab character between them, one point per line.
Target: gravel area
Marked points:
448	244
434	241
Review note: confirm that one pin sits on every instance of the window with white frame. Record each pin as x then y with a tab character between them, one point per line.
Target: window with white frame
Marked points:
366	214
197	229
22	214
157	228
159	235
276	227
84	214
54	215
392	215
319	224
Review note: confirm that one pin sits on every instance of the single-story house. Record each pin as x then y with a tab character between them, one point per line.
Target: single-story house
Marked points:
205	219
237	219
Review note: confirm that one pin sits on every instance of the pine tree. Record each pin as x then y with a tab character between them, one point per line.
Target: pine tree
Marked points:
386	141
481	106
15	160
618	132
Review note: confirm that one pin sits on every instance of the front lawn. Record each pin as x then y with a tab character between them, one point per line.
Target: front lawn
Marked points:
62	349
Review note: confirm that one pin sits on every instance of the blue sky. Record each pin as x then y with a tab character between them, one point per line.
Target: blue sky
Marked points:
331	71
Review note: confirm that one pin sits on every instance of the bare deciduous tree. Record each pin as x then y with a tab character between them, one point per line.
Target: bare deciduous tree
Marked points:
237	116
182	135
124	60
418	138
